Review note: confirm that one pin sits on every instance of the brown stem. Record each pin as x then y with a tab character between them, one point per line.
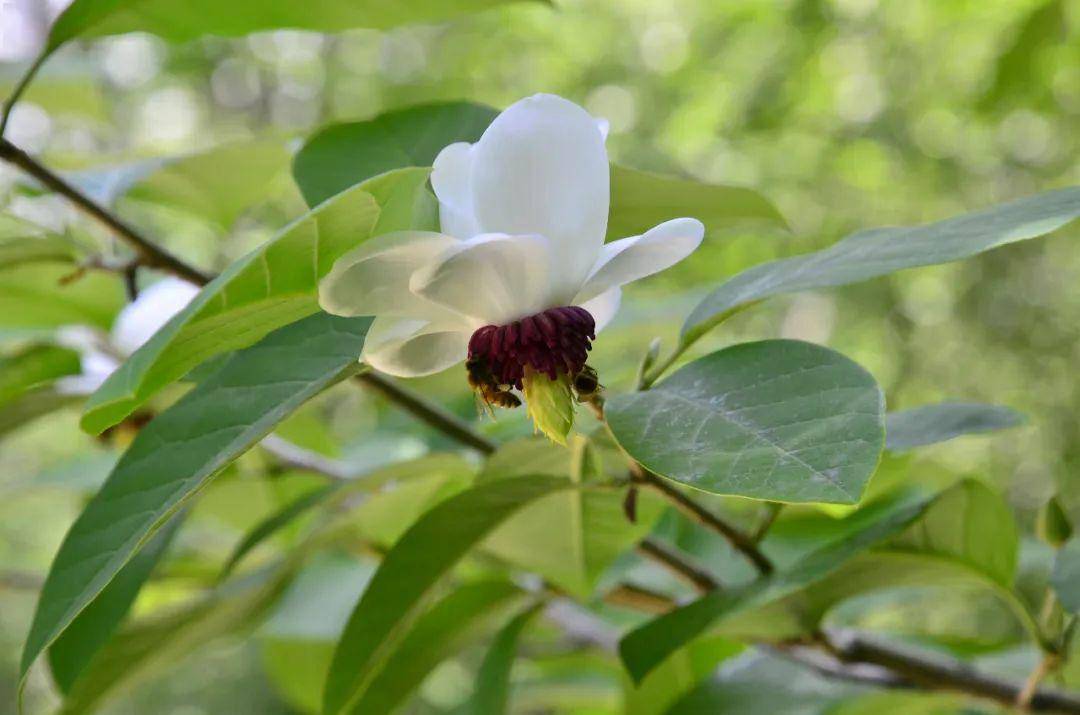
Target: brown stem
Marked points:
427	412
678	564
740	541
150	255
638	598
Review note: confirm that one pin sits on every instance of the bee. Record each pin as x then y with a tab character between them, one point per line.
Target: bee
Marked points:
587	383
488	391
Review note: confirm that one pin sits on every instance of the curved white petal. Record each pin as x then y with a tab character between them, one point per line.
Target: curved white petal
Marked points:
451	177
492	278
413	348
629	259
139	320
604	307
373	279
541	168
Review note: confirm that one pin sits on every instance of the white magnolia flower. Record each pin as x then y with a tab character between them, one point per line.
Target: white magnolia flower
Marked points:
520	278
134	325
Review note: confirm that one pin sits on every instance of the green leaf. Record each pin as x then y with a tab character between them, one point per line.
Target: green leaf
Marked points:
342	155
25	242
460	618
583	530
646	647
1052	523
217	185
641	200
880	251
678	675
30	405
34	366
149	648
1066	576
77	645
183	20
550	404
966	538
491	695
36	296
176	455
385	516
427	551
272	286
274	523
779	419
930	424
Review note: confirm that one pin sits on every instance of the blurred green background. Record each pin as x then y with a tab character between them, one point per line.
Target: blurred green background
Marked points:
846	113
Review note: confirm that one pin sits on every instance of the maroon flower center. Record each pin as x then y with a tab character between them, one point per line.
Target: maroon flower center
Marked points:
556	340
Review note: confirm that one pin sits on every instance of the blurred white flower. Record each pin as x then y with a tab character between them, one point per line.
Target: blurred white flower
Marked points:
134	325
520	278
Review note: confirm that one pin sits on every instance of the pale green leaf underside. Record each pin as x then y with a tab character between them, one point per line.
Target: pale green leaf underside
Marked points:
1066	576
176	455
930	424
877	252
778	419
272	286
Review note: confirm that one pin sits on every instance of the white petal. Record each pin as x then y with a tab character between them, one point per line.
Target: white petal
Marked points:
604	307
411	348
373	279
604	126
451	177
541	168
139	320
629	259
492	278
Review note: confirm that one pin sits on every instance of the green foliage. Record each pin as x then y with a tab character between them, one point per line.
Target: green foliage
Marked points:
491	695
878	252
1066	576
779	420
272	286
426	552
41	295
550	404
33	366
183	448
930	424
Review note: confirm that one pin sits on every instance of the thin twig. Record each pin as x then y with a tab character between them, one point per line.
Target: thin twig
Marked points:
427	412
738	540
297	457
150	255
639	598
678	564
772	510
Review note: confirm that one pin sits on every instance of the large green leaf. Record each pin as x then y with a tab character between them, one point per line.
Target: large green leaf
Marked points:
678	675
396	595
34	366
583	530
467	613
491	695
177	454
930	424
91	630
149	648
182	20
641	200
966	539
31	404
41	296
877	252
778	419
646	647
220	184
345	154
272	286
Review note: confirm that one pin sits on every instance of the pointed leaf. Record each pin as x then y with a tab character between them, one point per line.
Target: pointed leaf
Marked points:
880	251
778	419
491	696
175	456
42	296
427	551
930	424
272	286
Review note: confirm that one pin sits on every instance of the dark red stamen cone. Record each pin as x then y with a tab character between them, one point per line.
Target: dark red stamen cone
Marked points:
554	341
